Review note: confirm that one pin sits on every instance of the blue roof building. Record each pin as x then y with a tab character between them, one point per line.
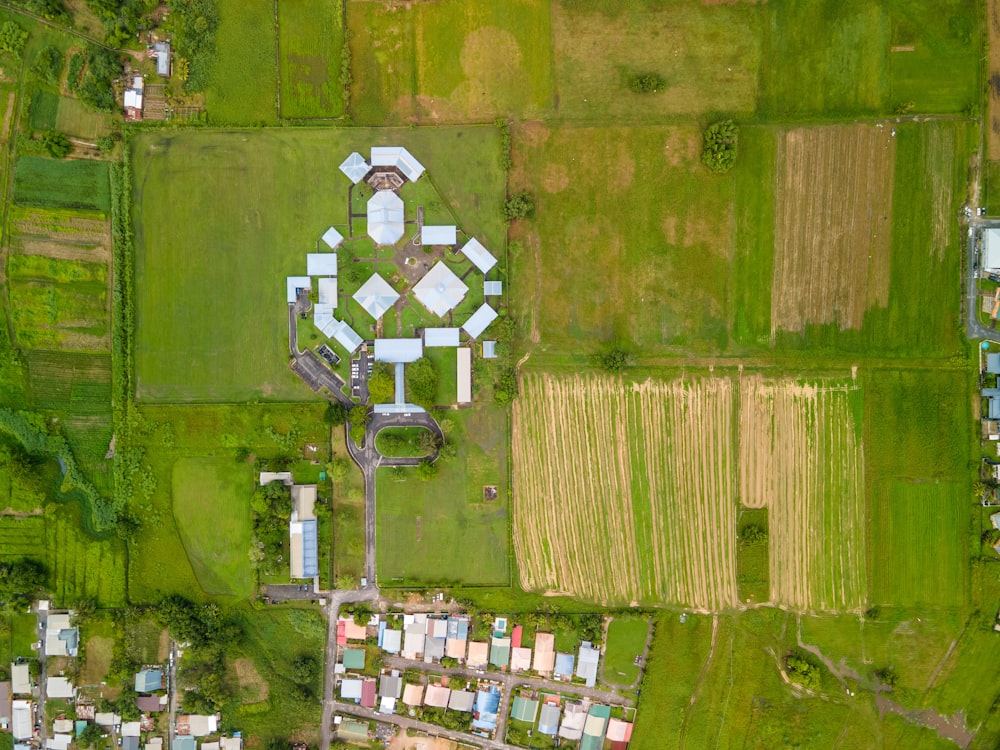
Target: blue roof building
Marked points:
484	713
564	665
148	681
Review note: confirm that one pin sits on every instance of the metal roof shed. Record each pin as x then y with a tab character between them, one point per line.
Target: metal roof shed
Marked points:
354	658
350	690
327	291
385	217
332	238
391	641
440	290
355	167
441	337
548	719
162	50
437	696
464	380
398	157
524	709
481	257
462	700
586	667
148	680
492	288
376	296
433	234
489	350
398	350
993	363
293	284
304	550
480	321
321	264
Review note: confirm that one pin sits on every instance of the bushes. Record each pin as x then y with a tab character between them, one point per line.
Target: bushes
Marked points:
506	161
48	66
422	382
519	206
614	361
381	384
195	23
56	144
719	150
95	89
753	534
12	38
646	83
803	671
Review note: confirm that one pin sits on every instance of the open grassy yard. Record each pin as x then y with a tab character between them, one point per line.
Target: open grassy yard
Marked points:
449	61
443	530
311	36
212	325
211	503
244	83
626	640
62	184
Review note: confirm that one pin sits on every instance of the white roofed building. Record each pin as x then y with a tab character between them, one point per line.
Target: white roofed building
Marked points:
355	167
440	290
321	264
292	286
21	724
464	395
398	157
332	238
991	250
344	335
481	257
441	336
385	217
438	235
327	291
480	321
376	296
398	350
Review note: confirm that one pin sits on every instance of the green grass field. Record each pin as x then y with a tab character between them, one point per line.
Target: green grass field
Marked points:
50	111
212	325
211	503
442	531
400	441
62	184
626	640
450	61
81	566
310	40
244	83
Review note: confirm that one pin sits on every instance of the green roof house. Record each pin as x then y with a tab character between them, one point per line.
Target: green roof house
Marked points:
354	658
525	709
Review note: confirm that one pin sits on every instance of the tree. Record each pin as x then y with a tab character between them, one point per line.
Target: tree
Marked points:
991	537
719	150
426	470
518	206
646	83
335	414
422	382
338	469
305	667
753	534
505	387
359	415
48	65
12	38
615	361
887	676
20	581
803	671
381	383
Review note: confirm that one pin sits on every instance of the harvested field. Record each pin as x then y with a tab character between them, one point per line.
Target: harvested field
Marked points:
993	50
621	490
800	455
833	218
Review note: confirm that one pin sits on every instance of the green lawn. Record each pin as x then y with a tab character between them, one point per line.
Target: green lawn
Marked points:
244	80
62	184
450	61
752	568
400	441
212	325
310	40
212	511
626	640
442	531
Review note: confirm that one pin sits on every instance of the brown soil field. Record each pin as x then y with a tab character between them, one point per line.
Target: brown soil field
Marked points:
620	489
253	687
800	456
993	50
833	218
402	742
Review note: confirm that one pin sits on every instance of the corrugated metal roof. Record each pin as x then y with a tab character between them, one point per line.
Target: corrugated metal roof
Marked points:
385	217
398	157
440	290
492	288
293	283
321	264
433	234
464	380
480	321
376	296
441	337
332	238
398	350
355	167
481	257
327	291
489	350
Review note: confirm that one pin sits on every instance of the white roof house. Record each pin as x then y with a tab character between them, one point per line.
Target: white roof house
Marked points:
481	257
61	638
20	679
21	724
586	666
440	290
398	157
398	350
991	250
133	98
131	729
201	725
355	167
441	337
391	640
376	296
59	687
327	291
321	264
344	335
438	235
480	321
332	238
464	375
385	217
350	690
492	288
58	742
292	283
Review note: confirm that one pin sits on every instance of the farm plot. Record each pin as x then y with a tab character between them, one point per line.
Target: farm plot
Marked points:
21	537
832	225
625	492
800	455
310	42
80	566
72	381
62	184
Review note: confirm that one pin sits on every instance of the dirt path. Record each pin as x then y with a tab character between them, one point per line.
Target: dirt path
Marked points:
841	672
8	116
948	727
697	685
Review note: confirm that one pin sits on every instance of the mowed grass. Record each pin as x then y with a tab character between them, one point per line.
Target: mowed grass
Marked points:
707	54
918	544
310	40
443	531
449	61
211	499
626	640
50	183
244	83
630	243
212	324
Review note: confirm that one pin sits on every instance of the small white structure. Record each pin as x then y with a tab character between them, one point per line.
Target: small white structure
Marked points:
332	238
131	729
59	687
293	284
321	264
355	167
492	288
440	290
21	724
376	296
385	217
398	157
480	321
20	679
441	336
285	477
465	375
438	235
327	292
58	742
481	257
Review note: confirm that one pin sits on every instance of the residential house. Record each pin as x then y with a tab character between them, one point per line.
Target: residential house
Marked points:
22	724
564	666
391	640
350	690
548	719
59	688
457	638
524	709
390	685
484	713
520	659
574	719
462	700
479	655
148	681
595	727
354	658
545	655
500	652
413	694
61	638
20	679
619	734
368	694
586	667
437	696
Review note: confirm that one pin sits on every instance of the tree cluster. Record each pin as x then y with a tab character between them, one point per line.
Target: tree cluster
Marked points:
93	84
359	417
505	387
753	534
48	65
381	383
614	361
270	509
52	10
422	382
803	671
194	24
12	38
646	83
519	206
56	144
121	18
719	149
20	581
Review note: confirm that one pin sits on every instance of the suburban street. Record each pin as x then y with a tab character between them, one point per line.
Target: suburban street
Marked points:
973	328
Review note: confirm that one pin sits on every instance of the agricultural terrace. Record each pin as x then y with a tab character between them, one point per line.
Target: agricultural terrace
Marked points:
449	529
448	62
212	325
663	465
711	262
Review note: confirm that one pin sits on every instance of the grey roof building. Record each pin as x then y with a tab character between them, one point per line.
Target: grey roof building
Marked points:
385	217
993	363
548	719
355	167
162	50
390	686
440	290
480	321
376	296
434	648
586	666
489	350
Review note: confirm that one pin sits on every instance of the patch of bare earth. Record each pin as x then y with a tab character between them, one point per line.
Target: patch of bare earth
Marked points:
253	687
993	50
402	742
833	219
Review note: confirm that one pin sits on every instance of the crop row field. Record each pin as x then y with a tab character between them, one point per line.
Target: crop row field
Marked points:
630	492
49	183
311	37
66	114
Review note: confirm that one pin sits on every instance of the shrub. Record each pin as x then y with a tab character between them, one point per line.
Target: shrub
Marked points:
422	381
803	671
519	206
426	470
12	38
753	534
56	144
381	384
615	361
646	83
48	65
991	537
719	150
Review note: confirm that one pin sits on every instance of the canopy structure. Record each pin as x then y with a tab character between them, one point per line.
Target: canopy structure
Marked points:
440	290
355	167
398	157
376	296
385	217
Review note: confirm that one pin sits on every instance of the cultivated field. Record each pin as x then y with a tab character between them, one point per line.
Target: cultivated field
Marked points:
212	324
832	225
81	567
49	183
664	464
800	455
68	115
310	40
448	62
211	505
993	47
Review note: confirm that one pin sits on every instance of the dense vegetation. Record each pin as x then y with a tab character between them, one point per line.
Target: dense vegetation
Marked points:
194	23
719	149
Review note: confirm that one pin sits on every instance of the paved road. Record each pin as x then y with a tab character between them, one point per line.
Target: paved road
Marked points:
172	692
307	364
42	618
463	738
973	328
285	591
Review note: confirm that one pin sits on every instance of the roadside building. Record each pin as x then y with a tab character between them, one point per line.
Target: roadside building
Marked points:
564	667
433	649
390	685
368	694
354	631
21	720
20	679
458	637
545	655
595	727
149	704
354	658
484	713
148	681
479	655
520	659
184	743
586	667
548	719
350	730
391	640
4	705
413	642
350	690
437	696
991	250
462	700
619	734
500	652
413	694
59	688
574	719
61	638
524	709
